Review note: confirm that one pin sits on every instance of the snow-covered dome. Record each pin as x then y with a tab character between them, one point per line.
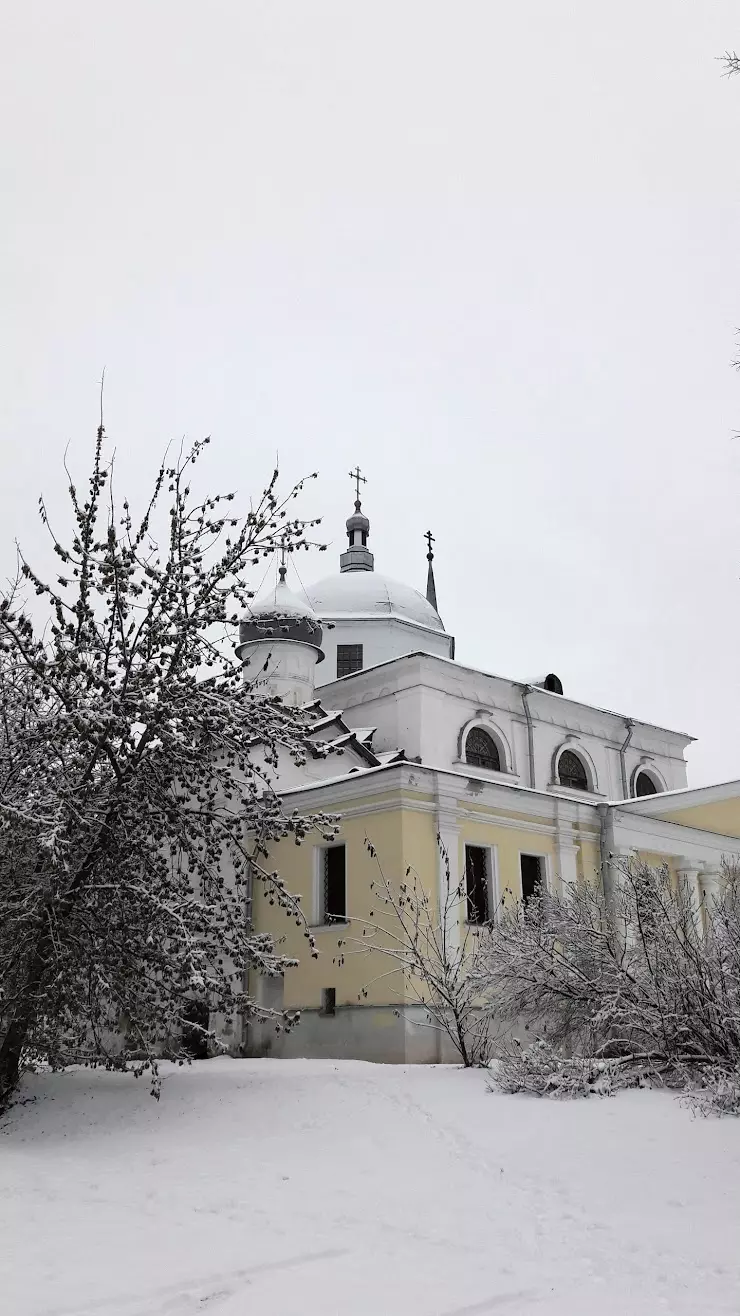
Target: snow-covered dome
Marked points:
370	594
281	615
279	601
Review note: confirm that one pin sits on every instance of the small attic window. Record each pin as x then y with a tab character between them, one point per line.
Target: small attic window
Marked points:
571	771
553	684
481	750
645	785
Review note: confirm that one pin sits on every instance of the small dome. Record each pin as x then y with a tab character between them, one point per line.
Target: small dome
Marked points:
368	593
280	615
279	601
357	521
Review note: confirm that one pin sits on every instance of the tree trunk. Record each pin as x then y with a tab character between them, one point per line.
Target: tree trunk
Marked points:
14	1041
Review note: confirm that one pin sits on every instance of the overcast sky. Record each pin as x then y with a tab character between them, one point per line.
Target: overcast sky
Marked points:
489	250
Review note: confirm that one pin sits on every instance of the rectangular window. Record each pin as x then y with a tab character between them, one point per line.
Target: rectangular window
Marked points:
476	883
533	873
334	886
328	1000
349	659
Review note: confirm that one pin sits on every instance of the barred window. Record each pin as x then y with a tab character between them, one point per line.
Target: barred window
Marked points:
334	886
531	868
481	750
571	771
476	883
349	659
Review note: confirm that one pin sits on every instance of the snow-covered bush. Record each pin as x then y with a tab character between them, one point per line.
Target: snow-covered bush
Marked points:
542	1070
647	980
134	814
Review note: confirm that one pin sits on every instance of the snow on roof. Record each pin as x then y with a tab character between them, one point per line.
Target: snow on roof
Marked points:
523	685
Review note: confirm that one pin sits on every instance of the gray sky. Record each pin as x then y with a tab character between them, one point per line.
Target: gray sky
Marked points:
489	250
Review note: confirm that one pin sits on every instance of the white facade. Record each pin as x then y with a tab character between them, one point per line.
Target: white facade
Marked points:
426	706
422	703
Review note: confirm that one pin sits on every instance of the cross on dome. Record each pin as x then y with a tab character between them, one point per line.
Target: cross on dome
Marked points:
358	479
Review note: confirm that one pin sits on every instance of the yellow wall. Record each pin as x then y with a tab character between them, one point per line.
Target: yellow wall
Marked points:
404	838
722	817
350	967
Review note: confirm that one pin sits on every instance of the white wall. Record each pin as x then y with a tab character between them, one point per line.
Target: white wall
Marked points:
421	706
382	638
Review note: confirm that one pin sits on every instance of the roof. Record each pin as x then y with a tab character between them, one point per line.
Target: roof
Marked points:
365	594
540	691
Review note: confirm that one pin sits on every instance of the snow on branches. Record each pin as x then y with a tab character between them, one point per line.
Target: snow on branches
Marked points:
642	986
133	817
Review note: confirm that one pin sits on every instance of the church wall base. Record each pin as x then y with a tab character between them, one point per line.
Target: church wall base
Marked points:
373	1033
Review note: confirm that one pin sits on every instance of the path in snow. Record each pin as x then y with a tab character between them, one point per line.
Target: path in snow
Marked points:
300	1187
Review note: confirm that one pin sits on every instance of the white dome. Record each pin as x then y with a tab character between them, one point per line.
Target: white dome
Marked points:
282	602
368	594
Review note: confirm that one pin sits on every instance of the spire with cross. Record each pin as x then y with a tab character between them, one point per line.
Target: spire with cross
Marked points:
357	557
431	587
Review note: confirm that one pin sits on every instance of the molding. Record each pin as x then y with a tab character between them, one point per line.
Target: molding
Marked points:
686	797
490	773
569	792
648	766
640	833
574	745
483	719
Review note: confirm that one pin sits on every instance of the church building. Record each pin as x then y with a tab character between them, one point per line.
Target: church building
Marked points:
522	782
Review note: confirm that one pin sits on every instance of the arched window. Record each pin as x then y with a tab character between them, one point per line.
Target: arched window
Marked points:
481	750
644	784
571	771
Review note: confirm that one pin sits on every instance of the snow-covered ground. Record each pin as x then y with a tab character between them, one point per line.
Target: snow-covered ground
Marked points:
325	1187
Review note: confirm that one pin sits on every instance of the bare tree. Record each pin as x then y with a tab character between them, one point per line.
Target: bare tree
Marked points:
644	984
134	814
433	950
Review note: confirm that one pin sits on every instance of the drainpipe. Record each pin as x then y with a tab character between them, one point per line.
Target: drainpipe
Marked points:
527	690
604	853
630	728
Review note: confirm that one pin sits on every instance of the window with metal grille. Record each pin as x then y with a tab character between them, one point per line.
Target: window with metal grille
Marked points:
645	785
571	771
481	750
531	866
334	886
349	659
328	1000
476	883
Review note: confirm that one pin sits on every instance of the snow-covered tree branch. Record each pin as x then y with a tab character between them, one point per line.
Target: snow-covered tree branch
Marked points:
133	816
433	951
645	983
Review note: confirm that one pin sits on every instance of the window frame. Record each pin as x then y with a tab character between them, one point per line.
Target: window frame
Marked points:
492	883
320	920
649	771
544	860
587	771
483	731
356	659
